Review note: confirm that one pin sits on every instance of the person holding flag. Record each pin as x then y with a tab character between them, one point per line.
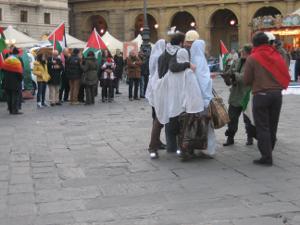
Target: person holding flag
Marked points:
237	92
267	73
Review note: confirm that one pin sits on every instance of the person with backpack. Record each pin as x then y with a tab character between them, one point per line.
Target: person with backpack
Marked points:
74	74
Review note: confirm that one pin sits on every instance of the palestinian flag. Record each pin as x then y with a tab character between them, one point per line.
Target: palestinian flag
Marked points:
95	41
96	45
247	106
223	56
2	45
58	38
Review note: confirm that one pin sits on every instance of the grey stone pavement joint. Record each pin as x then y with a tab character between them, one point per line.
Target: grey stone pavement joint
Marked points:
78	165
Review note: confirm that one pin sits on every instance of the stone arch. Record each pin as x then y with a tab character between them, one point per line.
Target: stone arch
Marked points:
266	11
97	21
223	26
152	23
183	20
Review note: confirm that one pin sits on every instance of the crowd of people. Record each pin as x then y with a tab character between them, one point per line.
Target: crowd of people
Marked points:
180	92
74	76
177	82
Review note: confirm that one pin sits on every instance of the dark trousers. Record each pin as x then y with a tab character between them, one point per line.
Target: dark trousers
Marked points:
133	82
90	94
64	89
155	141
107	89
41	94
234	113
266	112
20	99
146	80
117	82
12	97
172	131
81	93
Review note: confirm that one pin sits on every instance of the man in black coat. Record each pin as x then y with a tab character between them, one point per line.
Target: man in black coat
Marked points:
55	69
119	62
12	71
64	87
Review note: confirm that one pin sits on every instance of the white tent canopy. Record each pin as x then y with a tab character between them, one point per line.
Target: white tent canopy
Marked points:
73	42
297	12
112	43
139	41
21	39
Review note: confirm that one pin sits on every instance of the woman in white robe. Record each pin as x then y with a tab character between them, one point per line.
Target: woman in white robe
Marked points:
155	142
205	82
178	92
156	51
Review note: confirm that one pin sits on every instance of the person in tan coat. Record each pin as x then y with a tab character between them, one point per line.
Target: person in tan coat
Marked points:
40	70
134	74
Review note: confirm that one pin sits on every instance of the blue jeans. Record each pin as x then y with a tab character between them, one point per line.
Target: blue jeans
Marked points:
40	97
142	86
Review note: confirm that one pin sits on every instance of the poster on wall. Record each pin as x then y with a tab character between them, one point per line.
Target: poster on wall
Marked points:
128	47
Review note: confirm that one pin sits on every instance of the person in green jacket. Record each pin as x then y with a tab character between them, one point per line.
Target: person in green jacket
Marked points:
234	78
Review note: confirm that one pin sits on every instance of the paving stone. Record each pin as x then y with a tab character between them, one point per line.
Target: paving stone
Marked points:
60	207
21	198
20	188
89	166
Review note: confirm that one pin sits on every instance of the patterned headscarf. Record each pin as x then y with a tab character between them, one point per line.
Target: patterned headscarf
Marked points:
12	64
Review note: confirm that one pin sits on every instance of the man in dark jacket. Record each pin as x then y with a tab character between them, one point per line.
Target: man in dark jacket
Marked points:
119	62
267	73
65	88
74	74
55	69
12	71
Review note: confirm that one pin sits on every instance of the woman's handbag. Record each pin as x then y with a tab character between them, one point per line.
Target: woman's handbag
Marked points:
193	130
218	112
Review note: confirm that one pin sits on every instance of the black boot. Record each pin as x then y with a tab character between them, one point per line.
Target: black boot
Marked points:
230	141
249	141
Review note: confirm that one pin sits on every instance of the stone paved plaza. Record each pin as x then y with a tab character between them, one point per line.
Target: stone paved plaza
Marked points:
79	165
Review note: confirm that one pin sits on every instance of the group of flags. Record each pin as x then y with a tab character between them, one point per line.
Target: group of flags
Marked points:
59	41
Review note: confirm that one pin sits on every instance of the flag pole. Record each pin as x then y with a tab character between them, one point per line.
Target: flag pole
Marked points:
65	35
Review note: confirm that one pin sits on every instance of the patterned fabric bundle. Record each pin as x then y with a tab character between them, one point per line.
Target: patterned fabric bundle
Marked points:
12	64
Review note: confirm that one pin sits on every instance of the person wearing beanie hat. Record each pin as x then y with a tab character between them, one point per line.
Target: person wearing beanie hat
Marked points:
237	92
74	74
190	37
12	71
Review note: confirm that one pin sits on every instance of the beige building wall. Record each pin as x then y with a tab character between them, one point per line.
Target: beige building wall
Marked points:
120	16
35	26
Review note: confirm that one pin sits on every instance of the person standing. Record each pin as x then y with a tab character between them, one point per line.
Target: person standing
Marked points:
119	61
144	75
90	77
267	73
74	74
134	74
12	71
64	88
107	77
237	92
40	69
55	69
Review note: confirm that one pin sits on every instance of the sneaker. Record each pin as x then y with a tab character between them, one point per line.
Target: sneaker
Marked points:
39	105
118	93
52	104
45	105
58	103
76	103
153	154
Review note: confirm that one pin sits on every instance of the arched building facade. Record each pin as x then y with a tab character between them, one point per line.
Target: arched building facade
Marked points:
215	20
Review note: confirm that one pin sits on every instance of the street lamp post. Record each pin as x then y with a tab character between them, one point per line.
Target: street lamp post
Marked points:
146	47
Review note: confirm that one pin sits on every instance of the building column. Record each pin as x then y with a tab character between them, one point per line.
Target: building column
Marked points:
243	25
290	6
200	22
163	24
